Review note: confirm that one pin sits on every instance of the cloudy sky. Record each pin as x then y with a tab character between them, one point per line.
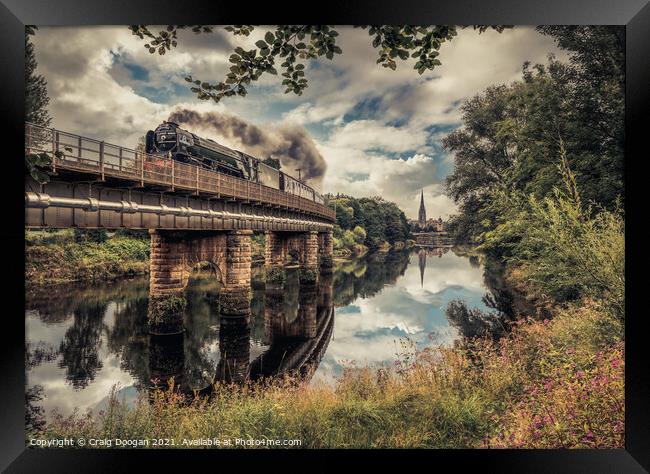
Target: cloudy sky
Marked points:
379	131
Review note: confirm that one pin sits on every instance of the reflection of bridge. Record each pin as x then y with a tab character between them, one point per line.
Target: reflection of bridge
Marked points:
297	342
194	215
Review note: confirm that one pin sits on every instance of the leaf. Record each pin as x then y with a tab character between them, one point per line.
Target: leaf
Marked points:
261	44
269	37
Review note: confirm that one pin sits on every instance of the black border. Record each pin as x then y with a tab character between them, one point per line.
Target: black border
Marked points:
14	14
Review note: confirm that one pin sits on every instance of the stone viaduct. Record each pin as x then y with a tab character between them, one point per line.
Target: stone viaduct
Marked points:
194	216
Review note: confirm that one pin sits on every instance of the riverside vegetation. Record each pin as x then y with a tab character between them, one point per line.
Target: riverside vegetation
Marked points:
60	256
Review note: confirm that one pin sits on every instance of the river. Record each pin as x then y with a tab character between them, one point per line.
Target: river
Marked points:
82	340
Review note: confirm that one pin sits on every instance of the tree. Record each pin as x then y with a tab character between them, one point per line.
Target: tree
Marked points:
36	102
295	44
36	98
513	134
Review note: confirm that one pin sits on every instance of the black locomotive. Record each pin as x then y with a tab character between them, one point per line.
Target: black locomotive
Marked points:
186	147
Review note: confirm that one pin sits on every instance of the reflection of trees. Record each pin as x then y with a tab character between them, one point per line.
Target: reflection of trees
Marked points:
129	339
34	414
38	353
365	277
472	322
57	306
80	346
501	296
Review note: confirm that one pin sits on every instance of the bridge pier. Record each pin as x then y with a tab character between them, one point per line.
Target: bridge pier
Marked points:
286	247
235	297
326	250
173	256
275	256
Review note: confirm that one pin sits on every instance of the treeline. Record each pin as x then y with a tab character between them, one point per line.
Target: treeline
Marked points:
372	223
523	139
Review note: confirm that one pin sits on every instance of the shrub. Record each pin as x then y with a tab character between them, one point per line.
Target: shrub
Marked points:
571	408
566	250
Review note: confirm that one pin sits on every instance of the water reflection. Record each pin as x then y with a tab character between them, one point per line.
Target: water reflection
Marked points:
83	340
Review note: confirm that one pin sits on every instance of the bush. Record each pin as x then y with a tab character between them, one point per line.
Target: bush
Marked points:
359	234
275	275
57	257
566	250
570	408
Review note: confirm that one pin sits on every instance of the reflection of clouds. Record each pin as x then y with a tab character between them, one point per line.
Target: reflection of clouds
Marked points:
368	330
61	395
51	333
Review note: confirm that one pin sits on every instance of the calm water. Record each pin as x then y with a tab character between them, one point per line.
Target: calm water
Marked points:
83	340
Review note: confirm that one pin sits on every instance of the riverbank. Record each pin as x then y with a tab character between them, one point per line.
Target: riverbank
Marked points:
65	256
551	383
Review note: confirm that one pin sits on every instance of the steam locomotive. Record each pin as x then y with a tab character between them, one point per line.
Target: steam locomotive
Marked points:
186	147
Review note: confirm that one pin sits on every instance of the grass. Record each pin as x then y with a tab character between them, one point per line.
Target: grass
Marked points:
57	257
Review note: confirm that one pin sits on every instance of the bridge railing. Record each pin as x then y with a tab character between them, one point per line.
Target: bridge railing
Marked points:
85	155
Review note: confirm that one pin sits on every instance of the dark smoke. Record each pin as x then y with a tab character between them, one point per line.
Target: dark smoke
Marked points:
292	145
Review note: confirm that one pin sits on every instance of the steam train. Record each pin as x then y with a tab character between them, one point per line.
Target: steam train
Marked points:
186	147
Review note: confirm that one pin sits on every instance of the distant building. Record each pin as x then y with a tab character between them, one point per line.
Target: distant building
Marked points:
422	215
422	224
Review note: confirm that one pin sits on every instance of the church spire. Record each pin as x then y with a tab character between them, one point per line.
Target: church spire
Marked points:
422	215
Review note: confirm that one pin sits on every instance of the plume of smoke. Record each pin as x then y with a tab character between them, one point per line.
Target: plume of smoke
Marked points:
292	145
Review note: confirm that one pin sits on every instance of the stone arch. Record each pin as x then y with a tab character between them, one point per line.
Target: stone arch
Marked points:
214	268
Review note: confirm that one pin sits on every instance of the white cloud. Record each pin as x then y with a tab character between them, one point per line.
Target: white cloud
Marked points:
372	135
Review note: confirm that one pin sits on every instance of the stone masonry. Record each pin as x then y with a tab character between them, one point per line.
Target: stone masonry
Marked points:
325	250
175	253
236	293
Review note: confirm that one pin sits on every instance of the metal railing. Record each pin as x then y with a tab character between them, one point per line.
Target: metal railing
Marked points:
85	155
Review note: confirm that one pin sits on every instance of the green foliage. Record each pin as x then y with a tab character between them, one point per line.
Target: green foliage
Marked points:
36	102
295	45
36	98
54	257
359	234
513	134
275	275
566	250
308	275
164	309
90	235
368	221
140	234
